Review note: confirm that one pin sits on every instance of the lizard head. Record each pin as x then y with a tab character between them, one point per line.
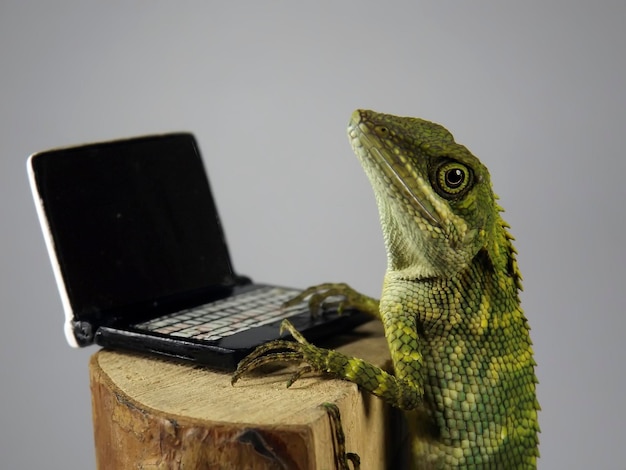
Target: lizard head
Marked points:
436	204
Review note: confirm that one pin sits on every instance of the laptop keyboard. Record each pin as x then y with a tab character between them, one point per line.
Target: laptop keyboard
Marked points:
228	316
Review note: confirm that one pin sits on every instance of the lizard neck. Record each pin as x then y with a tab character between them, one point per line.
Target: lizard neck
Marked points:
478	298
409	256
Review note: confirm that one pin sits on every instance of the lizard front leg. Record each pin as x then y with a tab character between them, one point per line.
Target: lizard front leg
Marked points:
339	296
404	393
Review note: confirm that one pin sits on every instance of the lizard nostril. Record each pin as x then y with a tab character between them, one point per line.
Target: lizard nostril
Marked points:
381	130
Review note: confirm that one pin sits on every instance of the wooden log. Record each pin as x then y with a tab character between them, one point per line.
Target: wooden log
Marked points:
150	413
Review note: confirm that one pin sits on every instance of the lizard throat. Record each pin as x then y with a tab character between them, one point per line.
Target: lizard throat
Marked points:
401	185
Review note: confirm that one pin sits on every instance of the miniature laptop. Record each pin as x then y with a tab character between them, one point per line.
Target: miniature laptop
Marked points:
140	257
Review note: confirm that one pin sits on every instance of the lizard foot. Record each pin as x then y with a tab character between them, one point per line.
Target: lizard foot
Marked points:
285	351
336	296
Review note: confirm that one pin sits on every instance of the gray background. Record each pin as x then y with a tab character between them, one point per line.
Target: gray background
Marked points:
535	89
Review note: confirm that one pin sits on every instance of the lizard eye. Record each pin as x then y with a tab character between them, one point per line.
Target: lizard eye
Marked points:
452	179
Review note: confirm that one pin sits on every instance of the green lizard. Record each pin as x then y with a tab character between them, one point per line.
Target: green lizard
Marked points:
463	367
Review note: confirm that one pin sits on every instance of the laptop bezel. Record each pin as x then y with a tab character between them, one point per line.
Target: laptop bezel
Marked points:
81	331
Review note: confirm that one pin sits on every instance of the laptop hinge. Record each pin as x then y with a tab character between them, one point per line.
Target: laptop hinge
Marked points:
83	332
242	280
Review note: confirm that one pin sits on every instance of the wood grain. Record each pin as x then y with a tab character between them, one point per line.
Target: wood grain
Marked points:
156	414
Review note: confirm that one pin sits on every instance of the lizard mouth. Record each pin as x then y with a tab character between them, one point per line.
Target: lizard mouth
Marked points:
419	203
369	148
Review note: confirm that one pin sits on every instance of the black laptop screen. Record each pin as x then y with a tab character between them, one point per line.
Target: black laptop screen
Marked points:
133	222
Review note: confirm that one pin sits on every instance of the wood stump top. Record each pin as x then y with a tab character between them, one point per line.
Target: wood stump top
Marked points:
156	413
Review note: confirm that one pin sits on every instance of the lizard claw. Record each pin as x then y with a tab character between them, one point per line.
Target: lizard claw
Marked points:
279	350
334	296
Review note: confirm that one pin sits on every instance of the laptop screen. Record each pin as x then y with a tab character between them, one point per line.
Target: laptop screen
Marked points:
133	223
